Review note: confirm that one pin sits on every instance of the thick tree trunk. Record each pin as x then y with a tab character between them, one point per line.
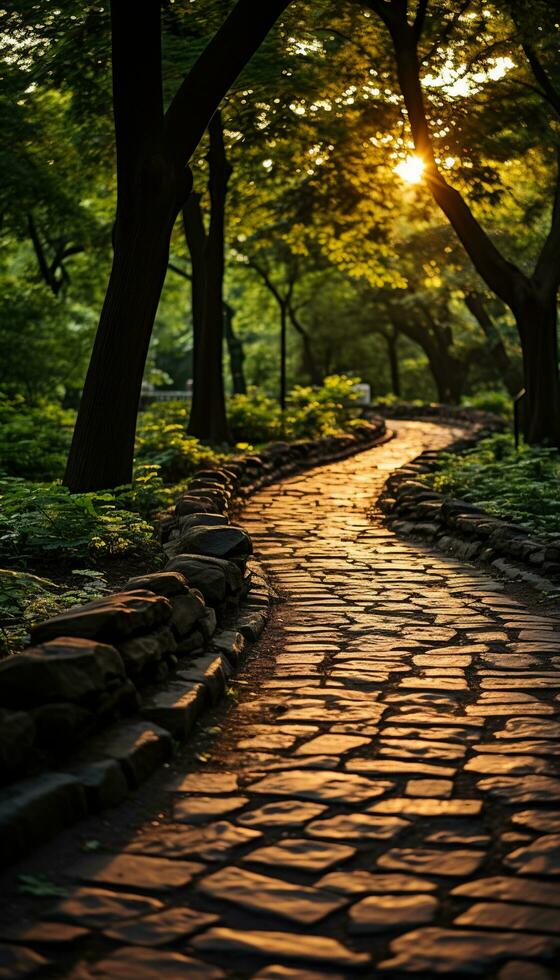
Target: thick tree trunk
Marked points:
540	410
208	410
236	353
511	377
102	448
394	365
195	237
283	326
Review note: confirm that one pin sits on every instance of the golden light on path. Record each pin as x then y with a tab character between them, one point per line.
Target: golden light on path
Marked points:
411	169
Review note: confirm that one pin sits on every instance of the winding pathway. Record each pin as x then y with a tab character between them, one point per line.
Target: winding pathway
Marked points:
381	796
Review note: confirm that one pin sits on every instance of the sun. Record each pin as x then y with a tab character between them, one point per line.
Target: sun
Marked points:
411	169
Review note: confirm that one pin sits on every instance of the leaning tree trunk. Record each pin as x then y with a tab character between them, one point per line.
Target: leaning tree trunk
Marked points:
236	353
394	365
208	409
102	448
506	370
195	237
536	319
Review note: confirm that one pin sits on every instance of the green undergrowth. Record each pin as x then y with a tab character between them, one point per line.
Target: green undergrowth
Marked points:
522	486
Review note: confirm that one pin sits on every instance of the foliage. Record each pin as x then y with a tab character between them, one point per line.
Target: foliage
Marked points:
498	402
44	522
162	441
521	486
313	412
254	417
26	599
34	439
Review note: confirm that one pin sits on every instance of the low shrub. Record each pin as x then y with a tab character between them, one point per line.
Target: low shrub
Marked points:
254	418
162	441
34	439
44	521
497	402
521	486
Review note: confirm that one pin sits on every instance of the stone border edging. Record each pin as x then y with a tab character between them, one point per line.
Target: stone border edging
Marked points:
152	652
464	529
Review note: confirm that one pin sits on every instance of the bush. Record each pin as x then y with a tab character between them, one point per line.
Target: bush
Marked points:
315	412
44	521
521	486
498	402
162	441
254	417
311	412
34	440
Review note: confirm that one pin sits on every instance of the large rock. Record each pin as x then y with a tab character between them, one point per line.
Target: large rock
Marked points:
61	725
115	617
214	577
34	810
209	520
161	583
142	651
139	746
218	542
193	504
67	669
187	610
17	735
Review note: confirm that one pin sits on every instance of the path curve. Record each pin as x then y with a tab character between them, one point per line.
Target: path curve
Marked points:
382	796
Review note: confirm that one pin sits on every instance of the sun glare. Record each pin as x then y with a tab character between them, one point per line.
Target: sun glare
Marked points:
410	170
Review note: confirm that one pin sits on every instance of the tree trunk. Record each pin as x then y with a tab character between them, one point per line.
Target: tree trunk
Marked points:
511	377
236	353
195	237
283	331
208	409
102	449
392	342
540	410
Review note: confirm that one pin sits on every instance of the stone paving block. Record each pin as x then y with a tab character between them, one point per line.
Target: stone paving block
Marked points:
133	963
357	826
161	928
18	961
330	787
213	842
135	871
282	946
454	951
504	915
304	855
98	908
200	809
382	912
424	860
540	857
270	896
281	813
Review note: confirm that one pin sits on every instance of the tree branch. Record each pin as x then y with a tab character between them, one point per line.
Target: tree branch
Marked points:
420	18
542	78
214	72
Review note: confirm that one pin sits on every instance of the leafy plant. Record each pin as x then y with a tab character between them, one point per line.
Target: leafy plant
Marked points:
521	486
34	439
41	521
254	417
162	441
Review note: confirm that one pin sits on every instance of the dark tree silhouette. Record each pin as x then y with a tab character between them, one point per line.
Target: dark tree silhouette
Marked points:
153	182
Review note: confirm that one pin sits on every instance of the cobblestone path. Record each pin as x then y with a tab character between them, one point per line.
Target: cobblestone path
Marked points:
382	798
